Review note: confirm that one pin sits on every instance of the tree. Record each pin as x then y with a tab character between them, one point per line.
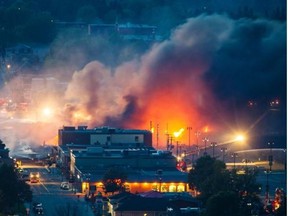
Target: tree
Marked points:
224	204
87	13
13	192
114	179
39	29
68	209
209	176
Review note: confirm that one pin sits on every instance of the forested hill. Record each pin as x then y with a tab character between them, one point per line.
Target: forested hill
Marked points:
19	19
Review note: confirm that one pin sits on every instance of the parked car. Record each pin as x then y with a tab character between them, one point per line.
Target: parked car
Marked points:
38	208
25	177
65	185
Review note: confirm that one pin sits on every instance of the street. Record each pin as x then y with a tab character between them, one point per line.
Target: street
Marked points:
55	200
275	179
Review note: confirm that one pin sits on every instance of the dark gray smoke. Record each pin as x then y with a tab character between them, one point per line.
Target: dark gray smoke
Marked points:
207	64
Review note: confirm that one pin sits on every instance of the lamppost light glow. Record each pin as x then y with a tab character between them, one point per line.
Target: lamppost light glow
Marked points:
240	138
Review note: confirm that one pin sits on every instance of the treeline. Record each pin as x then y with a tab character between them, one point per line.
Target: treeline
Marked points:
33	20
13	192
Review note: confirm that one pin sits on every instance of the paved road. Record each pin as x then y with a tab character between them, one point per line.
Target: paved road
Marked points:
56	202
276	179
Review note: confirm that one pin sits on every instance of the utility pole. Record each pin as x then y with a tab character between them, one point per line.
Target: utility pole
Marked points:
157	135
177	149
197	134
189	129
270	160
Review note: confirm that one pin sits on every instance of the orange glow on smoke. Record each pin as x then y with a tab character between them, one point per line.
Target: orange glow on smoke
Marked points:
170	112
205	129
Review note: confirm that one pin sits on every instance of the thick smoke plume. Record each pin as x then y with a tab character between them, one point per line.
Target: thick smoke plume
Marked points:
188	79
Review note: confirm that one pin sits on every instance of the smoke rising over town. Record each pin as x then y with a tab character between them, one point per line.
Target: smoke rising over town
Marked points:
191	79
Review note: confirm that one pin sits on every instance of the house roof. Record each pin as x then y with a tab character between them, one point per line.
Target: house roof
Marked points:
139	203
152	194
121	195
142	175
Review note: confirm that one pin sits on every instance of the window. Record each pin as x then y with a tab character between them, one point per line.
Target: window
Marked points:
172	188
136	139
180	188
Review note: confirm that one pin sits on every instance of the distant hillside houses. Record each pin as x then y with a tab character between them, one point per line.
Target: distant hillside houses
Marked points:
127	31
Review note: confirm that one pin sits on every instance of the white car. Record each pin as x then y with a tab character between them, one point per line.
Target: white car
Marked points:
65	185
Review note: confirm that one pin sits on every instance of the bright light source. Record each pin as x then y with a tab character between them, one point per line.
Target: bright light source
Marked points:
240	138
47	111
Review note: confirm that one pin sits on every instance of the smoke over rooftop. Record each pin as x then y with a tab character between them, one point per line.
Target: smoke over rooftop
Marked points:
187	79
190	79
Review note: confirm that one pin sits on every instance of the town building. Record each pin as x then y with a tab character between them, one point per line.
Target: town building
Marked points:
86	154
146	169
81	137
106	137
152	203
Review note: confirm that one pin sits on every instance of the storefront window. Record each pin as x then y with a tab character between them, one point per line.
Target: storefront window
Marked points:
180	188
172	188
164	188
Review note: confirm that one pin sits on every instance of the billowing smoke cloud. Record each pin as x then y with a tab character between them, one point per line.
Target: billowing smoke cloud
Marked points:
188	79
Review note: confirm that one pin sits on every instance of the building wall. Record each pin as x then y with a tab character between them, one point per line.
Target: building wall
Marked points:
69	135
137	162
139	187
138	213
109	139
104	136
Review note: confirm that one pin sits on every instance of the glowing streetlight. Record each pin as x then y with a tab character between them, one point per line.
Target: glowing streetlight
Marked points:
176	135
205	140
240	138
213	144
224	149
234	155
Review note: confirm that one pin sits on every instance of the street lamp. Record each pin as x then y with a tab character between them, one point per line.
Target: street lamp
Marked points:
234	155
205	140
197	134
224	149
177	148
176	135
270	158
189	129
213	144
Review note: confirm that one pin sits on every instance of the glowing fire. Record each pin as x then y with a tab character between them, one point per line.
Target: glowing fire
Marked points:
178	133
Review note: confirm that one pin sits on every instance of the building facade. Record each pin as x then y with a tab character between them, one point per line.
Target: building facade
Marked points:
146	169
106	137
